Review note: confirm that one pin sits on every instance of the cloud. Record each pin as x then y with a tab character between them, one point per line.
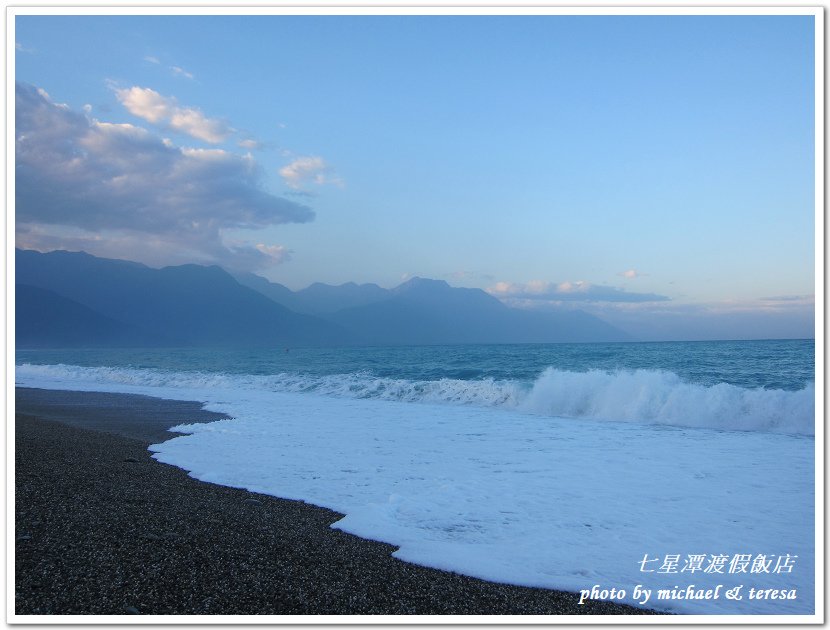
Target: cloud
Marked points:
277	253
174	70
631	273
309	169
107	187
250	144
45	95
782	317
21	48
762	318
165	112
789	299
180	72
518	294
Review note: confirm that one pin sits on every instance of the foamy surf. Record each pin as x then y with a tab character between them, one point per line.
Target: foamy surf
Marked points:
523	499
639	396
462	477
660	397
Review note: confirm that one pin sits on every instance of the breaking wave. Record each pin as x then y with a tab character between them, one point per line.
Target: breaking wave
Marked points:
642	396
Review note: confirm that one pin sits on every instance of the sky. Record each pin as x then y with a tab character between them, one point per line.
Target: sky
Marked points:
657	171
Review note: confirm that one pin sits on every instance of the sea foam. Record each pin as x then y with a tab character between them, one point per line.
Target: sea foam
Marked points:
660	397
500	486
640	396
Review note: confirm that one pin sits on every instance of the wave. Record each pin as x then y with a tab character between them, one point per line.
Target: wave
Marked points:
660	397
642	396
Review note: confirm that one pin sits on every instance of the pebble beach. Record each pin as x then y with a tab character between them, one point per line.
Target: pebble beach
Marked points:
103	529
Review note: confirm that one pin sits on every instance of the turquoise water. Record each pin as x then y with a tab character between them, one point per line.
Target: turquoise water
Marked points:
769	364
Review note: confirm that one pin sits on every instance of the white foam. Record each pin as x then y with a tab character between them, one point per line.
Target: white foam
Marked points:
641	396
522	499
660	397
506	495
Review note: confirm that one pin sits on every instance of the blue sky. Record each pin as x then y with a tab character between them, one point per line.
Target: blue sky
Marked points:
658	171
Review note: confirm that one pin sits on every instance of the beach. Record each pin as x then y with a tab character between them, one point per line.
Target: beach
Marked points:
102	528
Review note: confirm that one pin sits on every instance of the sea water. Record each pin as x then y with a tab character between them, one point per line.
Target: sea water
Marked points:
676	476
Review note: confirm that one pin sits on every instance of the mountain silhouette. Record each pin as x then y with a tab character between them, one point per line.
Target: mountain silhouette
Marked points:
73	298
189	305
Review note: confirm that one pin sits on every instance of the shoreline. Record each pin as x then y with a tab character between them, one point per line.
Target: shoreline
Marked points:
102	528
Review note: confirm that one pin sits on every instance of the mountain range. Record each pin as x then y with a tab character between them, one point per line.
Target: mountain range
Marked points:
74	299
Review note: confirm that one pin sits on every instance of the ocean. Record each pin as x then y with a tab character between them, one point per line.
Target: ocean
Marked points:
676	476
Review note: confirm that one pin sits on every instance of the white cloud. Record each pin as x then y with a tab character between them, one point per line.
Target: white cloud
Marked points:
764	318
197	125
631	273
277	253
249	143
102	186
145	103
45	95
518	294
165	111
308	169
544	288
181	72
789	299
151	59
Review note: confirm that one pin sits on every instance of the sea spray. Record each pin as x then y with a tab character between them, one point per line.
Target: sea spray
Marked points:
660	397
641	396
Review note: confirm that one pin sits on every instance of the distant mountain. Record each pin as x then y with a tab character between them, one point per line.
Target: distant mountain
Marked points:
45	319
317	299
185	305
279	293
322	298
422	311
74	299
